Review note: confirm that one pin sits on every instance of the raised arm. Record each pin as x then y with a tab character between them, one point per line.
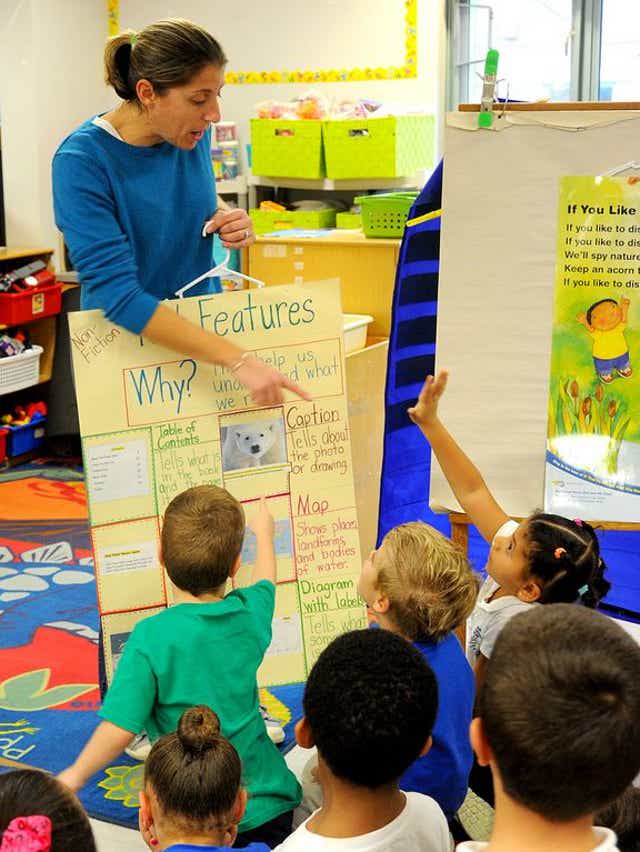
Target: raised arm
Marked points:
624	308
266	384
462	475
264	568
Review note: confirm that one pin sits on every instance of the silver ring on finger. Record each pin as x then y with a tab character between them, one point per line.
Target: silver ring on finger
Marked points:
246	234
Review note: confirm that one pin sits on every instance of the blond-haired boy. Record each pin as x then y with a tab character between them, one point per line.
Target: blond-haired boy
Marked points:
419	585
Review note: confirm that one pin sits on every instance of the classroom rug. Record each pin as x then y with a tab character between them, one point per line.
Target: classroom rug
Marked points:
49	638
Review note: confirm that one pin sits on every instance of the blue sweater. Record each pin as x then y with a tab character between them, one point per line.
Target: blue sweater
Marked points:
132	219
443	773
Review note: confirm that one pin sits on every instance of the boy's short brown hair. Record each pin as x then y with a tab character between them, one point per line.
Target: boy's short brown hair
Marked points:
560	705
427	579
202	535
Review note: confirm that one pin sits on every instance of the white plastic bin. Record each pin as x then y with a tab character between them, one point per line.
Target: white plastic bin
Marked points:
20	371
355	331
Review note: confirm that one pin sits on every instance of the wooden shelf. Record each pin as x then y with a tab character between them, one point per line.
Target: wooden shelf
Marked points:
413	182
237	186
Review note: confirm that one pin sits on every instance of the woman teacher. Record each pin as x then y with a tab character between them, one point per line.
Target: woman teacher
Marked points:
134	191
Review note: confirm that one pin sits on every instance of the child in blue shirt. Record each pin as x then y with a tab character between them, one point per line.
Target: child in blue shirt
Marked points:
420	585
192	800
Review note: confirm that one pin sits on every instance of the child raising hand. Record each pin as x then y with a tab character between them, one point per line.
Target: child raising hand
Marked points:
545	559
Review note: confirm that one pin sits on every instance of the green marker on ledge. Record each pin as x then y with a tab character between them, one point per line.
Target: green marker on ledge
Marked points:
485	116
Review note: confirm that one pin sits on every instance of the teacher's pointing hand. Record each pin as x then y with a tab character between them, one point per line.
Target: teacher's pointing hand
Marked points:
265	383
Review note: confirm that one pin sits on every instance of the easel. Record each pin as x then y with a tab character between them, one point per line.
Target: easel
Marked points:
460	521
460	528
485	169
555	106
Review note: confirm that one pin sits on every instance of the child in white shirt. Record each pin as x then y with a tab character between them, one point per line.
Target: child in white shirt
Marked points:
558	725
544	559
370	704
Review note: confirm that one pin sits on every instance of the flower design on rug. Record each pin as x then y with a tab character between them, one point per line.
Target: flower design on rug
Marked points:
123	783
275	707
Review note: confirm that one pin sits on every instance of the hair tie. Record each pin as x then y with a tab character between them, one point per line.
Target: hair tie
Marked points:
27	834
577	522
133	40
558	552
583	590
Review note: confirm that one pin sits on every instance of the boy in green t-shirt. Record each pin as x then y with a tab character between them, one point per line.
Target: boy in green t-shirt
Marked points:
204	650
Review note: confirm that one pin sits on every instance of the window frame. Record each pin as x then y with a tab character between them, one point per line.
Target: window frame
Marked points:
586	32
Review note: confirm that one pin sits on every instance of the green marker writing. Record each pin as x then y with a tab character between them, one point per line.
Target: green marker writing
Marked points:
485	117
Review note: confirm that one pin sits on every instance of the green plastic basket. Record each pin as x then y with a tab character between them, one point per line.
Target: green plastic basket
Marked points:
385	215
265	221
348	221
396	146
282	148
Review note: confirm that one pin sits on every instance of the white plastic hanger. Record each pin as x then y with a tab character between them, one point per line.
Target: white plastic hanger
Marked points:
632	165
219	270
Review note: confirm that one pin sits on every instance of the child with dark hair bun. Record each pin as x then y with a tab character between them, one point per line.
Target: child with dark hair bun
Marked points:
192	797
39	814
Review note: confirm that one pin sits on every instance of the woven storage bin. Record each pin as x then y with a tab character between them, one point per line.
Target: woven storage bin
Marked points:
282	148
265	221
348	220
385	215
20	371
397	146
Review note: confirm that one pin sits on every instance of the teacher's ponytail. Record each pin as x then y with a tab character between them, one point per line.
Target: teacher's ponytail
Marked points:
167	53
117	64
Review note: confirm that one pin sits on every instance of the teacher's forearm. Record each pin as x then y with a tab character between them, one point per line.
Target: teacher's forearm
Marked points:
169	329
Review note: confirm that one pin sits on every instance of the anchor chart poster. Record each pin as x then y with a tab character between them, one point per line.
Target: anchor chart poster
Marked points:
593	440
154	423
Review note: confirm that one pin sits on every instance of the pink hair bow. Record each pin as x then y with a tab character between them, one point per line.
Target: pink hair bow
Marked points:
27	834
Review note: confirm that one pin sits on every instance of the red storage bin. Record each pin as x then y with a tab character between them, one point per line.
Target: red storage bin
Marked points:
3	444
34	303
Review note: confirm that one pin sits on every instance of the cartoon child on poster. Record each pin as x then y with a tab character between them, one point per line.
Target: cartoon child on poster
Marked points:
606	321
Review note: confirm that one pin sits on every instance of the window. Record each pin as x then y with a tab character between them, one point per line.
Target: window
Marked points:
534	41
620	51
555	50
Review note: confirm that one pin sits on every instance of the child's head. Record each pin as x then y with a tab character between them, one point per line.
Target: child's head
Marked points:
34	804
558	711
202	536
192	781
550	559
623	816
370	704
604	315
420	580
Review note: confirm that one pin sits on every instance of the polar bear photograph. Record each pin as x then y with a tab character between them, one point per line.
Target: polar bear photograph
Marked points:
252	445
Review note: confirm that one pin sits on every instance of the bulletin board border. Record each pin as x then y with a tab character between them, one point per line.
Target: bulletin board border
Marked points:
406	71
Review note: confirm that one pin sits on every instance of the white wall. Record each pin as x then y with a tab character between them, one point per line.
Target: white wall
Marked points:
238	101
51	80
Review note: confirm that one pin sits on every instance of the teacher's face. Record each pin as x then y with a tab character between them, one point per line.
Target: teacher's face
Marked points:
182	114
